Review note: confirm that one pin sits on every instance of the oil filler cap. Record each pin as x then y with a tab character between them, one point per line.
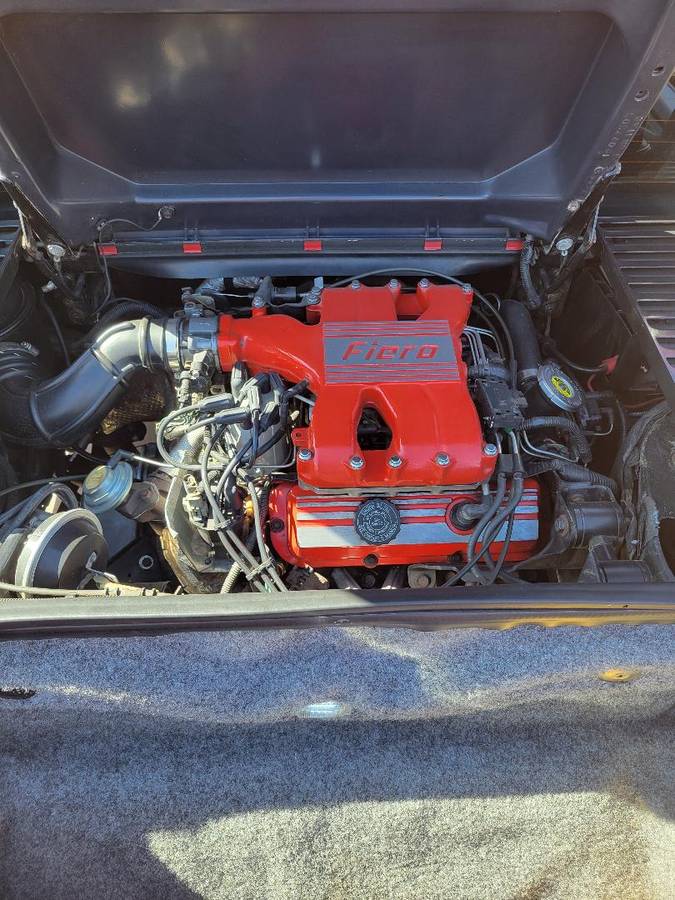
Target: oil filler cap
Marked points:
558	388
377	521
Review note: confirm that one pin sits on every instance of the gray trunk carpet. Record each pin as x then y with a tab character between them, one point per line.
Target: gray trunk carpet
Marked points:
340	763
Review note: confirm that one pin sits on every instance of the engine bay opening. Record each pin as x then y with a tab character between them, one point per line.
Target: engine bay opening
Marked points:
392	429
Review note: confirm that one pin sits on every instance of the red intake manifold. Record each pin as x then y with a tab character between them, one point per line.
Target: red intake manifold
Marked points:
377	347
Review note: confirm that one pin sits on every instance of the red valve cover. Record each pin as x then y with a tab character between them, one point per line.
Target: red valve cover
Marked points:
374	347
319	530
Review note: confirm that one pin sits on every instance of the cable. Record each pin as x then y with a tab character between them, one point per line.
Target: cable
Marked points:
40	481
235	548
88	456
539	452
578	443
533	299
57	329
487	517
589	370
50	592
20	513
485	318
494	517
160	217
264	554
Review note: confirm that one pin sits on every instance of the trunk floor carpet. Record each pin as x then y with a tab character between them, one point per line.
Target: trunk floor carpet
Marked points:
356	763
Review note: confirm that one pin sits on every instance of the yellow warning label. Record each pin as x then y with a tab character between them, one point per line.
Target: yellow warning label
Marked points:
562	387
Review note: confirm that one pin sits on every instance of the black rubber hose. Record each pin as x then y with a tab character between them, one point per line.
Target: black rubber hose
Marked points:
59	411
577	437
525	342
570	471
124	309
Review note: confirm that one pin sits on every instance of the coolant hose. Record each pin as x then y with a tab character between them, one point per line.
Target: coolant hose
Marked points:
61	410
577	437
525	341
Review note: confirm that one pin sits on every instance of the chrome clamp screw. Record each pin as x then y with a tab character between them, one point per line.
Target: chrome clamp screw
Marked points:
56	251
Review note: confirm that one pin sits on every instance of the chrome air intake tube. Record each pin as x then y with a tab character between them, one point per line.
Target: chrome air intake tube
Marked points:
58	411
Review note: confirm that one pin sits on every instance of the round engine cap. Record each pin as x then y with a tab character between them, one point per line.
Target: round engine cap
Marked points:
559	388
377	521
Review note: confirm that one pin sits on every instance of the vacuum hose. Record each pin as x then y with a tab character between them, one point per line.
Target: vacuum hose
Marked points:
60	410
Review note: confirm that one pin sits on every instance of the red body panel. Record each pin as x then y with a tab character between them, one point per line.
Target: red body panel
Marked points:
318	529
374	347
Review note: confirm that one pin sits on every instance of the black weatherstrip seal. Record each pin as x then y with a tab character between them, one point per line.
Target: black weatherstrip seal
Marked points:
497	607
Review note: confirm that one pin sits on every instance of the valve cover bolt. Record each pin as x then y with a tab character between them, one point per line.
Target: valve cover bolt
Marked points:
442	459
394	462
356	462
305	454
490	450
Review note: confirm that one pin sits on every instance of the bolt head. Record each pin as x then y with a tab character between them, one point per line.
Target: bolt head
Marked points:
356	462
490	450
394	462
393	284
56	251
573	206
313	298
305	454
258	302
355	285
442	459
564	245
424	283
467	289
561	525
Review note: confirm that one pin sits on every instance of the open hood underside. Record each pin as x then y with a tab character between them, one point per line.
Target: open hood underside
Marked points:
315	118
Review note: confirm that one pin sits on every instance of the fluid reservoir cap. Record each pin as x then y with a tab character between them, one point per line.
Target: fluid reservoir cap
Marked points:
106	487
559	388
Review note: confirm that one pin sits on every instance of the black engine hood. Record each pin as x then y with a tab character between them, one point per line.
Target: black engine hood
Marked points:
264	116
